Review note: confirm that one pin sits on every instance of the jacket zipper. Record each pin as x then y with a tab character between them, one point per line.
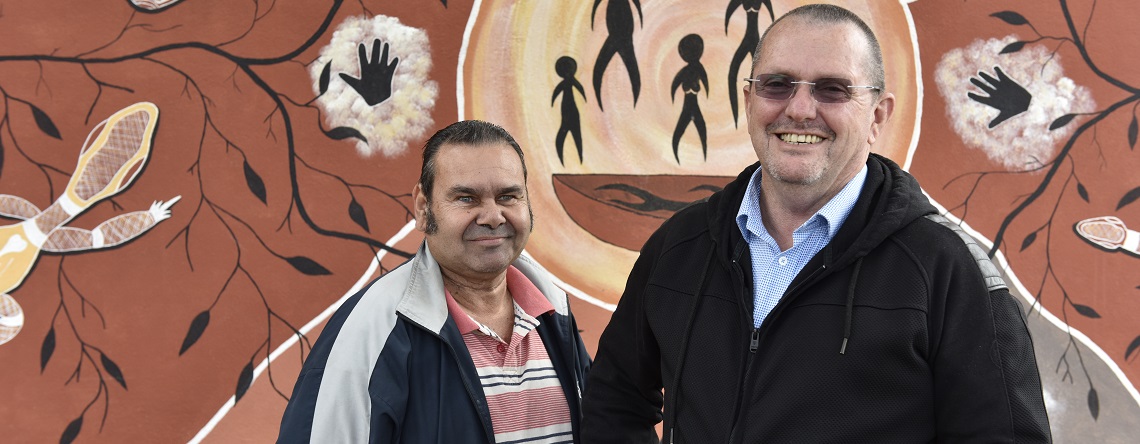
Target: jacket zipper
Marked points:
572	327
754	344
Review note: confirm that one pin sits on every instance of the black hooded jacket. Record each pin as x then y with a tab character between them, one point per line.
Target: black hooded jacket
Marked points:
899	330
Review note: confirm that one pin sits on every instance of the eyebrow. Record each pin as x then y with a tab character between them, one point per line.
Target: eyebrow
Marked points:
460	189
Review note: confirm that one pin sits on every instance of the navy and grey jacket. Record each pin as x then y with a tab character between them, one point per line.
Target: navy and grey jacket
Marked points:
899	331
392	367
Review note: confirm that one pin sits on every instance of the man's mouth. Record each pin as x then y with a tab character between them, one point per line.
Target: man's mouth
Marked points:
799	138
489	239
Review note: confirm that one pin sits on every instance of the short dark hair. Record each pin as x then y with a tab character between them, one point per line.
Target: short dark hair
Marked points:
464	132
821	13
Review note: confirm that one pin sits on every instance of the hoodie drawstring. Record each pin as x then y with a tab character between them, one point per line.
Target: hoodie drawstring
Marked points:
850	305
685	345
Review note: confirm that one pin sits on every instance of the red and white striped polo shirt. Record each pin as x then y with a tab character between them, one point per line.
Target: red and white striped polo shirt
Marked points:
523	393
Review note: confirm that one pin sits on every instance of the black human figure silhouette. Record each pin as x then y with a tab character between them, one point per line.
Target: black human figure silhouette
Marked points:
375	82
690	77
619	24
571	123
747	43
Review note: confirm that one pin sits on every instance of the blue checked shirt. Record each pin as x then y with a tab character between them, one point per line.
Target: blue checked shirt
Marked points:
772	269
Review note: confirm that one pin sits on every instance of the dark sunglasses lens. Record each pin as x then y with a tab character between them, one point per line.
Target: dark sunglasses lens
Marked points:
775	87
832	91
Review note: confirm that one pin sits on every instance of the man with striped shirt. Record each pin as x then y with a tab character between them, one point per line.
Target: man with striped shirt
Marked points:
466	343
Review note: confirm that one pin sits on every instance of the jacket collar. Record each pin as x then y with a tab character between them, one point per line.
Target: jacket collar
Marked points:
890	199
423	300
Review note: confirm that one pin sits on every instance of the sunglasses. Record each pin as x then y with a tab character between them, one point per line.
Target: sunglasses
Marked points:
782	87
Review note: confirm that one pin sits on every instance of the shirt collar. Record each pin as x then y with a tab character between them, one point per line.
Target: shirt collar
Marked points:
832	214
526	297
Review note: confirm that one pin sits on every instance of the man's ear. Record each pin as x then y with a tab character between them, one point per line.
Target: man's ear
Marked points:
420	206
883	110
746	91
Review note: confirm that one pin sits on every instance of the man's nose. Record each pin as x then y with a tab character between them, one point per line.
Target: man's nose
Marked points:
801	106
491	215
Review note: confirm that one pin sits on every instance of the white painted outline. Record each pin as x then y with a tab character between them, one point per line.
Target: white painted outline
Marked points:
459	99
918	83
289	343
570	288
999	258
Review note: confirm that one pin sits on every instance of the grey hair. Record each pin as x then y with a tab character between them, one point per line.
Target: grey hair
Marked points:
821	13
464	132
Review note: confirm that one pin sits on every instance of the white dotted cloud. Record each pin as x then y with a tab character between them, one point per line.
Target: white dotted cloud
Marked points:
404	116
1023	141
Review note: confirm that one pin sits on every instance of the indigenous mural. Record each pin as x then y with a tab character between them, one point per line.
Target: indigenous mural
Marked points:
189	188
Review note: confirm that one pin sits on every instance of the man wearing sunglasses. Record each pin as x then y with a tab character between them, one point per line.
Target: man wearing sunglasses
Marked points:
819	297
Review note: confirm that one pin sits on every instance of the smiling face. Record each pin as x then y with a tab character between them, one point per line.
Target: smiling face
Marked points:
478	211
800	141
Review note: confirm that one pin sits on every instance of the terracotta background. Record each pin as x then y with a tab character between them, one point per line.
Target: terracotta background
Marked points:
265	177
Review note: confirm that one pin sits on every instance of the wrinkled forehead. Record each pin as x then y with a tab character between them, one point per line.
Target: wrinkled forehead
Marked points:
486	167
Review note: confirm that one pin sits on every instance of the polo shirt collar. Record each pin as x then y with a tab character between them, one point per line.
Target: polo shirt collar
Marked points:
525	294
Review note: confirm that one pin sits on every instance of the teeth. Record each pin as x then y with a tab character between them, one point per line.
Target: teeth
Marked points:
800	138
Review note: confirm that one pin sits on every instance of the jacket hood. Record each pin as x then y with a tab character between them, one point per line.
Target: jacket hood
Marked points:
891	198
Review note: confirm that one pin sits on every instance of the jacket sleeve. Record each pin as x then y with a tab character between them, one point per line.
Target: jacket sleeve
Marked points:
297	421
623	397
986	384
382	406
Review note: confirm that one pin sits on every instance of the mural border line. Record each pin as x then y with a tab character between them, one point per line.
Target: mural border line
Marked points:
570	289
320	318
1025	294
919	85
461	105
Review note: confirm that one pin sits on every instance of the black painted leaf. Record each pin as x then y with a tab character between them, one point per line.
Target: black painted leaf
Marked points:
1094	403
356	212
113	369
1086	311
1061	121
1010	17
197	326
326	74
307	266
1084	193
1028	240
344	132
244	380
1012	47
1132	347
71	431
1132	130
47	349
254	182
1128	198
44	122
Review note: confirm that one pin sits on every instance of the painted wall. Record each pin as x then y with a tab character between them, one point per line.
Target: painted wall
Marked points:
190	187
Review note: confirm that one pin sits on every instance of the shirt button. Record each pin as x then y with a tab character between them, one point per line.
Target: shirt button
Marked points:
783	260
502	348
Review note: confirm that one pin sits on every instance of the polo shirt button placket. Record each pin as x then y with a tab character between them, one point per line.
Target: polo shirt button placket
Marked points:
502	348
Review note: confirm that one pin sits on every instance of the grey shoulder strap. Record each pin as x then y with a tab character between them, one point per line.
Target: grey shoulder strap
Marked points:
989	271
